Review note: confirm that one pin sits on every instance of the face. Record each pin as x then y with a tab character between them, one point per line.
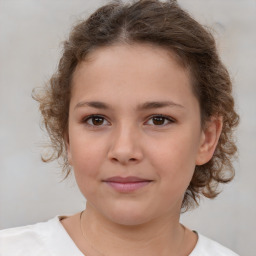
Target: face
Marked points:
134	133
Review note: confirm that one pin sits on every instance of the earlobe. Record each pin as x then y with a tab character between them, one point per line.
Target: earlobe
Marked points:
209	140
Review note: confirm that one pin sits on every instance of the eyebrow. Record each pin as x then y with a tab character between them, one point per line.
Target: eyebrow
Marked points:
145	106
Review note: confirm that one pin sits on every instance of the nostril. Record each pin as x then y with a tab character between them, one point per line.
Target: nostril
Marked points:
124	161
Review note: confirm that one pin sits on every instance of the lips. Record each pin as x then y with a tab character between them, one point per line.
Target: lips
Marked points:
127	184
125	179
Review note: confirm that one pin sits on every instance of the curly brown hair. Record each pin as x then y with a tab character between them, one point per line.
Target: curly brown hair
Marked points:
166	25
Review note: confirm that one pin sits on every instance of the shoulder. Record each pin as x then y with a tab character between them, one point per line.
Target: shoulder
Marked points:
38	239
208	247
25	240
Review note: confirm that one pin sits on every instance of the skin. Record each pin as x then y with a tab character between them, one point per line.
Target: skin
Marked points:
128	141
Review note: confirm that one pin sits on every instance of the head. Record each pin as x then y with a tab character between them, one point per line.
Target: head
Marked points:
169	29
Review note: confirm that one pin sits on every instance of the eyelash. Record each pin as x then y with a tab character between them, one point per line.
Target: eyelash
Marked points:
166	118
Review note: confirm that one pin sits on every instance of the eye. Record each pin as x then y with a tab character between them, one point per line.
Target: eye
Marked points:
160	120
95	120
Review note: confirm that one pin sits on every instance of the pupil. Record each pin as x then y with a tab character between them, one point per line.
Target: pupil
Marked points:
97	120
158	120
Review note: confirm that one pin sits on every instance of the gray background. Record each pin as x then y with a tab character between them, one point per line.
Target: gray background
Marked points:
30	191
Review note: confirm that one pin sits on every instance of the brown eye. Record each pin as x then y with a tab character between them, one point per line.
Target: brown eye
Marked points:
159	120
95	120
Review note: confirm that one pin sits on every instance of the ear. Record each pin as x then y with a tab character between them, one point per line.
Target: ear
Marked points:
67	146
209	139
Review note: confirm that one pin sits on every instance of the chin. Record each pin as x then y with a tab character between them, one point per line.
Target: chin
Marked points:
128	217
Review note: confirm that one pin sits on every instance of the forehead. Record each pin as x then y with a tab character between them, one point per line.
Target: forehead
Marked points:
140	70
152	53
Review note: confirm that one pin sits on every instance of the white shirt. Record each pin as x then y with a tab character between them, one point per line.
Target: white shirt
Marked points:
51	239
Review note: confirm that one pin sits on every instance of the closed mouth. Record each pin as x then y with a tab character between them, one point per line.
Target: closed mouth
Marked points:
129	179
127	184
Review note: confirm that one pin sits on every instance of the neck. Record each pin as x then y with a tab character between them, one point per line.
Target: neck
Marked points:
161	236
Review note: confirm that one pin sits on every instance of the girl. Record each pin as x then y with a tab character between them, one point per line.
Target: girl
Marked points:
140	109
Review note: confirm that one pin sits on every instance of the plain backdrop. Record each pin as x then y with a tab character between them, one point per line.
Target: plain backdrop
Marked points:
31	33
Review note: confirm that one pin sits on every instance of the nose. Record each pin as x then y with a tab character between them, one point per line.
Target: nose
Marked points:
125	146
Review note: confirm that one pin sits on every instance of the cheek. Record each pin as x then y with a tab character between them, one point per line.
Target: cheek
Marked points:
175	159
87	159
